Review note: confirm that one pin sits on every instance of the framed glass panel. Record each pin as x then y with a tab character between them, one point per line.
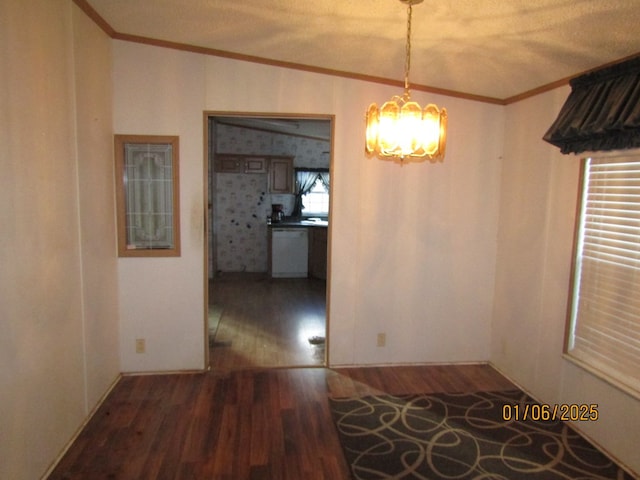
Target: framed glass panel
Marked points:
147	195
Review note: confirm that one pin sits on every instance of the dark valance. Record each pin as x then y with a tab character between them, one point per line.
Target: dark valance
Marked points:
602	112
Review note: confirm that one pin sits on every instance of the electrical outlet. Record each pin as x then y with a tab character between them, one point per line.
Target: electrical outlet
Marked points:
140	346
382	339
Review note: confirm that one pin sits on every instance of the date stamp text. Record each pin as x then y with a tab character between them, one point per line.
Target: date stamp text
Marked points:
564	412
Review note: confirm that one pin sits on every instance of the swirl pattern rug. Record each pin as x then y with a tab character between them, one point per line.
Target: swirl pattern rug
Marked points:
461	436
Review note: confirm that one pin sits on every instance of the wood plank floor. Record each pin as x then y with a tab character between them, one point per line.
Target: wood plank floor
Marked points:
243	424
267	322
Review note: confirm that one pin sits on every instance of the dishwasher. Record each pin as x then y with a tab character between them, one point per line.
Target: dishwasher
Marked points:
289	252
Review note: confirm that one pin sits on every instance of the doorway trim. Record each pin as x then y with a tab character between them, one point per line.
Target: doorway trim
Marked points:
207	206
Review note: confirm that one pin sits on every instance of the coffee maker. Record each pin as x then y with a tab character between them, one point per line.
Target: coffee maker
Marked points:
277	212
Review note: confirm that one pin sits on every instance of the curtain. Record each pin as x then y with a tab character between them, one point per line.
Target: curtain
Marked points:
602	112
305	179
324	178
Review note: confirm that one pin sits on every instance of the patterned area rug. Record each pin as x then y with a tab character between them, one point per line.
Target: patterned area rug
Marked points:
462	436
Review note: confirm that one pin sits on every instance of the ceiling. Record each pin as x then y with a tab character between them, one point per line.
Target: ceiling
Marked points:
497	49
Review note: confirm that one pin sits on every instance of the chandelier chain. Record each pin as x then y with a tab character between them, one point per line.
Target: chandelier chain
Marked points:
407	61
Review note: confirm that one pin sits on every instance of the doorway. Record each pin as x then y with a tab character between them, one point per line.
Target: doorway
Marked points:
253	319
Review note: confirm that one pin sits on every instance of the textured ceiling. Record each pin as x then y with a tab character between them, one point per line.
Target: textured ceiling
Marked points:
490	48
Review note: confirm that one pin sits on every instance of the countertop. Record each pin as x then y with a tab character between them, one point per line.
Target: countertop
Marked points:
290	222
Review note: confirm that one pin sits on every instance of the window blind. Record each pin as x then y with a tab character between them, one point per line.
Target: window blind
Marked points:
605	318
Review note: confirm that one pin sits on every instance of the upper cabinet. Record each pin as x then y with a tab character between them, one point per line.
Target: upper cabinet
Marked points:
279	168
255	165
280	174
228	163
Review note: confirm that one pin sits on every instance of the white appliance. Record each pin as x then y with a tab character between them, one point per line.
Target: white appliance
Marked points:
289	252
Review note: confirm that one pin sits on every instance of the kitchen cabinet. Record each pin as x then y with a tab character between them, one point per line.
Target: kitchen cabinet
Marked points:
228	163
255	165
280	174
318	252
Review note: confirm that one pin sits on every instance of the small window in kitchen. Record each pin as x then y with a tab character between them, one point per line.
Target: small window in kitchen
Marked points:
316	200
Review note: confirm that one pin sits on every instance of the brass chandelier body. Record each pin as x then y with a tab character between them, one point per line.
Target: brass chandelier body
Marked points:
401	128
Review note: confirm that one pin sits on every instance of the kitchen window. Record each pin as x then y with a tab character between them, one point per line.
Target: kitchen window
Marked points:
312	192
316	201
603	334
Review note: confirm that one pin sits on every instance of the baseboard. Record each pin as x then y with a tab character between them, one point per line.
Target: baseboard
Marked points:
79	430
165	372
407	364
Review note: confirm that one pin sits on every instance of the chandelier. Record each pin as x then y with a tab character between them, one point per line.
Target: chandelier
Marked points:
401	128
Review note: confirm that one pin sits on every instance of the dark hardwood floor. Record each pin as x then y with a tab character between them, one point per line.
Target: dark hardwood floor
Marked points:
244	424
245	419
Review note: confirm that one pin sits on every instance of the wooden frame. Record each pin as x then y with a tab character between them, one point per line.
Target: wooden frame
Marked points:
147	195
574	253
207	148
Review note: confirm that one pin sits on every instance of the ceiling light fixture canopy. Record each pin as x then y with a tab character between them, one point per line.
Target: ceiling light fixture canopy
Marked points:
401	128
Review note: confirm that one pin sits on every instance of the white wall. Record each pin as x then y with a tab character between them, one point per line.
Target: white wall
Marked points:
537	216
161	92
58	315
94	136
413	247
418	250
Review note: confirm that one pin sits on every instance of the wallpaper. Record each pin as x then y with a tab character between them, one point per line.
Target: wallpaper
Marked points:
241	208
240	203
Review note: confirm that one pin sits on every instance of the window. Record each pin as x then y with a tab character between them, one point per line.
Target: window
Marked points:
604	324
147	196
316	201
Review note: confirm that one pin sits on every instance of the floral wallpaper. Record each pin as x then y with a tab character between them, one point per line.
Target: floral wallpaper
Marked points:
240	203
241	207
